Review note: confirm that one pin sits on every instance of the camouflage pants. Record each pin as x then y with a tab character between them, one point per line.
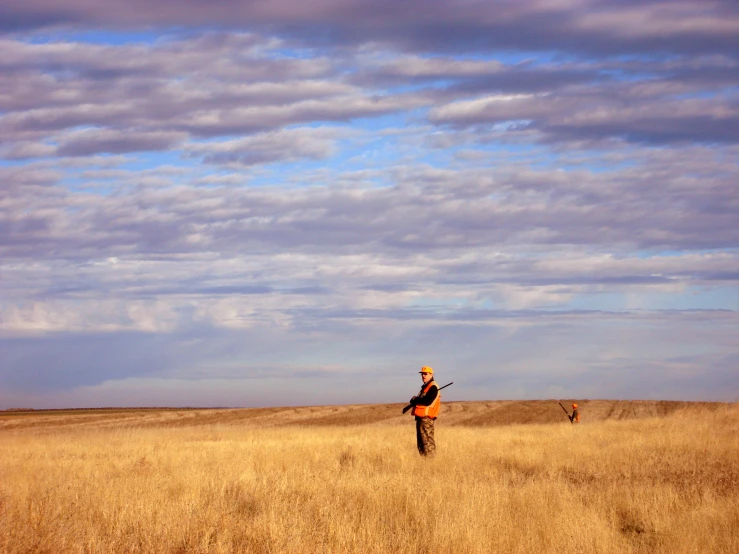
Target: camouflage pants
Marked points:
425	436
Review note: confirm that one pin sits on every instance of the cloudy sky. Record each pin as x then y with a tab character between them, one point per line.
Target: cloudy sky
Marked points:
301	202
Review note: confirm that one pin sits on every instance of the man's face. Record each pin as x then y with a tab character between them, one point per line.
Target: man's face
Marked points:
426	377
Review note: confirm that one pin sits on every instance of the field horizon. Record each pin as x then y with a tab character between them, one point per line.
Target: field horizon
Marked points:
464	413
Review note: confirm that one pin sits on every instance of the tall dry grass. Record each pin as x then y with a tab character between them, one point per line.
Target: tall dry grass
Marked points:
653	485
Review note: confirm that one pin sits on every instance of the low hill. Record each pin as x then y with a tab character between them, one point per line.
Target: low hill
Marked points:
462	413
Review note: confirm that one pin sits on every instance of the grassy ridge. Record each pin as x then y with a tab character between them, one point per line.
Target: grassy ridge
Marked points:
469	414
659	484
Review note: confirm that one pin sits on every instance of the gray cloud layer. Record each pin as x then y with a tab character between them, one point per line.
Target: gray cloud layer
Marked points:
582	26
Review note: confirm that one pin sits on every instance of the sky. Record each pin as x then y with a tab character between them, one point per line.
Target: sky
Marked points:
302	202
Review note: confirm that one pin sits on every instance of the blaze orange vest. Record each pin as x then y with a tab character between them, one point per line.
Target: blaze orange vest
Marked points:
430	411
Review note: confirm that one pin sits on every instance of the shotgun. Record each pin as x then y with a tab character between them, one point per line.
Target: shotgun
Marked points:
568	413
409	406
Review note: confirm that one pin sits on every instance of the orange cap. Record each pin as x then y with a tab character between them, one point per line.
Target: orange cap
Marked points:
574	406
427	369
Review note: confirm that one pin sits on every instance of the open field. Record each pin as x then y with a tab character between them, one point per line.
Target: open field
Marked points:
509	477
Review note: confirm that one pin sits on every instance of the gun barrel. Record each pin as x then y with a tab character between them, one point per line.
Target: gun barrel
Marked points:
568	413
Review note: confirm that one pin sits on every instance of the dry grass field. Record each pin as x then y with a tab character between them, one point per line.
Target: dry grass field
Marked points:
510	477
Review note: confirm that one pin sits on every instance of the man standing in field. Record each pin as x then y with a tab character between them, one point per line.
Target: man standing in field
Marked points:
575	417
426	409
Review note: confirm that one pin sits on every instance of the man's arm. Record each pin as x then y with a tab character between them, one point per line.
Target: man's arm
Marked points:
428	398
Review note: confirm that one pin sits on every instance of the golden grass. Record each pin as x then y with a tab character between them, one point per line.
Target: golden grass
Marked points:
663	484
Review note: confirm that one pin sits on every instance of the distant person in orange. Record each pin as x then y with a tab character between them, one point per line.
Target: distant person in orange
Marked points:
426	409
575	417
